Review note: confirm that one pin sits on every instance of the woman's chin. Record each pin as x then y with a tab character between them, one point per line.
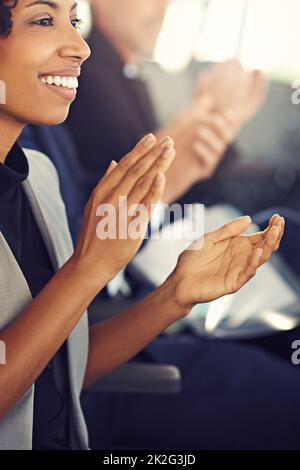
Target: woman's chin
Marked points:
51	119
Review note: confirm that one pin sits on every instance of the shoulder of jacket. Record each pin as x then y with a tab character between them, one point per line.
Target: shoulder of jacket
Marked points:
41	165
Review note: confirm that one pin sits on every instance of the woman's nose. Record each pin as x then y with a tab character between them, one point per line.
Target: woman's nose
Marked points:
75	47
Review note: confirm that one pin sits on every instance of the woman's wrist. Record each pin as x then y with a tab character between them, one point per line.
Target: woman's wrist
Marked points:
169	292
90	281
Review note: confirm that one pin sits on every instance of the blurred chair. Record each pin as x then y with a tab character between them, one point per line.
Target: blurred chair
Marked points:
136	376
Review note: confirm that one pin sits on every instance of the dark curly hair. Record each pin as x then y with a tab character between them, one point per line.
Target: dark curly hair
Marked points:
5	16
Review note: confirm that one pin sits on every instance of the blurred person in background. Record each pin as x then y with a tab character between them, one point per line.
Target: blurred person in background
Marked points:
113	96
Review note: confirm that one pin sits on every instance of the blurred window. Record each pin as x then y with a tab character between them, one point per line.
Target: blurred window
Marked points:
263	33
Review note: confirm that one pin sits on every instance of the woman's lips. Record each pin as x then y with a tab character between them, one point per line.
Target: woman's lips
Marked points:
66	93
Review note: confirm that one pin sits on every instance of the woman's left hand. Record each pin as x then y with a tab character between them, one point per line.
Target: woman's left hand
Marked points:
223	261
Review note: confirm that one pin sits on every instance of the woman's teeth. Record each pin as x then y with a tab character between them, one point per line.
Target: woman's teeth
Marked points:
65	82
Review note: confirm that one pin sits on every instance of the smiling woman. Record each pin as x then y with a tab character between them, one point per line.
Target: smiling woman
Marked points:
46	285
50	52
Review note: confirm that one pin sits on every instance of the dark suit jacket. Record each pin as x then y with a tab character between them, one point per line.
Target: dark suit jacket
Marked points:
111	112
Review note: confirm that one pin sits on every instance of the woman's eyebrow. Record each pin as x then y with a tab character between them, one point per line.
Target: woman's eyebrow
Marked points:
49	3
43	2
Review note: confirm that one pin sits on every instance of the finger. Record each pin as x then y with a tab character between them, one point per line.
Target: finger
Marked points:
259	237
223	127
258	92
109	170
211	139
203	103
144	184
115	174
157	161
281	224
230	116
102	189
232	229
275	221
272	221
207	160
143	211
139	169
155	193
269	244
139	151
206	157
254	262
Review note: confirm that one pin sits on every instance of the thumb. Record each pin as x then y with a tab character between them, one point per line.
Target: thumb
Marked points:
232	229
204	101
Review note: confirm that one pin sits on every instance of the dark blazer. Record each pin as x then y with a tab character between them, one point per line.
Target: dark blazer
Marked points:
111	112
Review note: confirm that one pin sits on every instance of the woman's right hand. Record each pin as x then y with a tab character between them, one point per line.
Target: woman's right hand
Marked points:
139	179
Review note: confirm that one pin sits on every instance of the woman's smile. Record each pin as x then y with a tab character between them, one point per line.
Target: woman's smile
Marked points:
63	83
50	52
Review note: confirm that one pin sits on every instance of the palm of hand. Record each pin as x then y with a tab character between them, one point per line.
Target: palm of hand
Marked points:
217	269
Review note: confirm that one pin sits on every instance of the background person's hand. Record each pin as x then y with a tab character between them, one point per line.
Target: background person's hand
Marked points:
139	177
201	139
234	88
223	261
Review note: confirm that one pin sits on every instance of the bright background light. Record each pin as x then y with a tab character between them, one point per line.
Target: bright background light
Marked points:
263	33
85	15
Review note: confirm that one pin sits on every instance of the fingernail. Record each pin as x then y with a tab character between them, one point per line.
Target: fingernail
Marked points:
246	217
159	180
167	142
149	140
168	153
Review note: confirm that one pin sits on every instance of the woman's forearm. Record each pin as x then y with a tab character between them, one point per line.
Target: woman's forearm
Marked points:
34	337
116	340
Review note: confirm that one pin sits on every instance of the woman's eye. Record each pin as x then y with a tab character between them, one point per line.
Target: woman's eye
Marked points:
43	22
49	21
76	22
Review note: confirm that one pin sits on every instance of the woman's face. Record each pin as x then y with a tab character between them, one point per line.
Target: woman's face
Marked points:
40	61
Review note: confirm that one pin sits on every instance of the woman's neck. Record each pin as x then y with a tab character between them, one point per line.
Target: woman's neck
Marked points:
10	129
